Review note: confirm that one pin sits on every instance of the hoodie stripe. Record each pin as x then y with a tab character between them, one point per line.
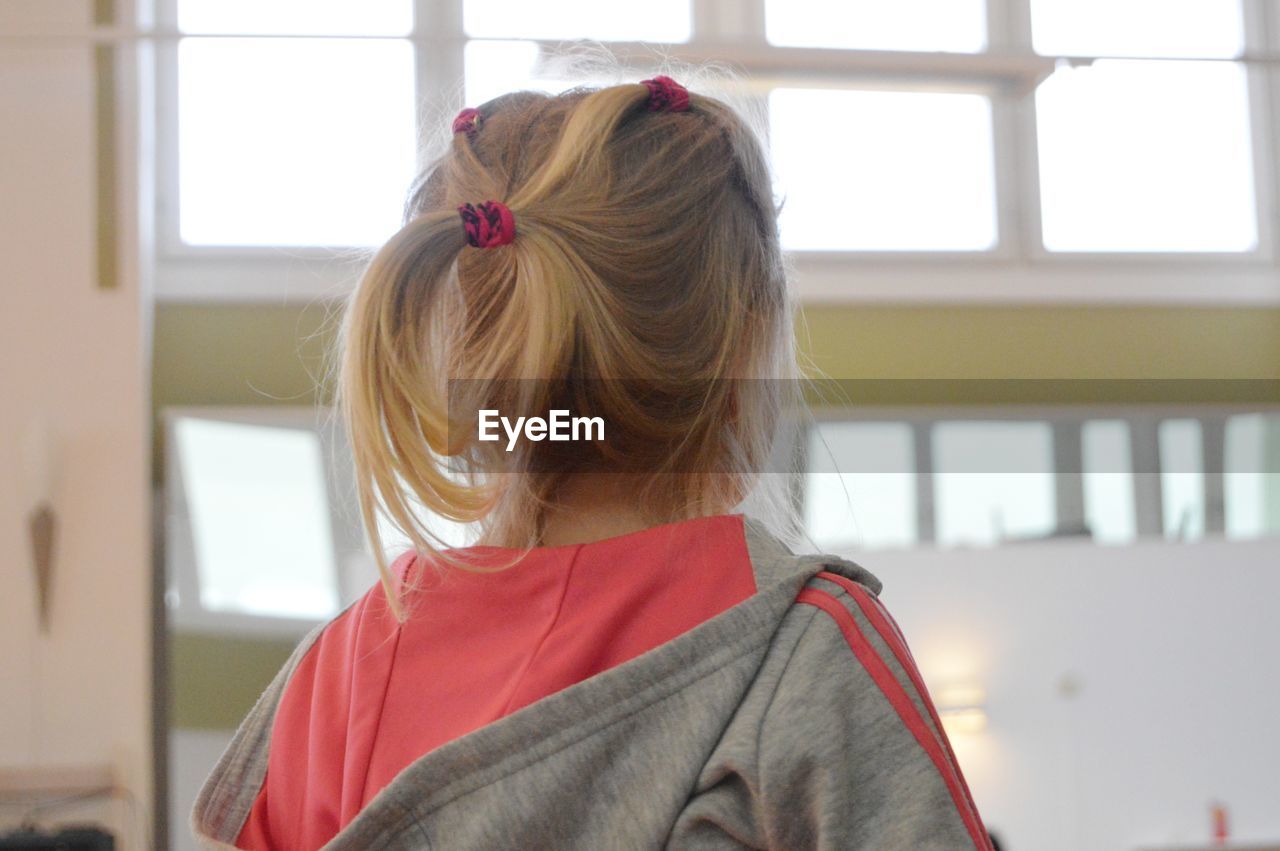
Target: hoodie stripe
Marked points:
902	704
884	624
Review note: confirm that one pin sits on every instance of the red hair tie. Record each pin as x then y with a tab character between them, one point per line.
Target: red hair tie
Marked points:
488	224
467	121
666	94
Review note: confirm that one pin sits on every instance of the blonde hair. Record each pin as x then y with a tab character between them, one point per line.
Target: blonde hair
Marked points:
646	258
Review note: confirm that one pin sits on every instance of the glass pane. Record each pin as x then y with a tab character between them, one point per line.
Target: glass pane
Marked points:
655	20
1108	481
959	26
1146	156
494	68
1172	28
1182	479
1252	476
993	481
259	510
860	489
862	170
296	17
294	141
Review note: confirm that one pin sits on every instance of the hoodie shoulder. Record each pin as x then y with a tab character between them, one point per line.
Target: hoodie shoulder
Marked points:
774	562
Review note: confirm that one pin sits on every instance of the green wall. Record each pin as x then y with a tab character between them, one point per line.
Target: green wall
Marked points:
275	355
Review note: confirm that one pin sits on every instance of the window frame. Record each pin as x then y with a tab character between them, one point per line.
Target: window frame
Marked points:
1017	269
1066	422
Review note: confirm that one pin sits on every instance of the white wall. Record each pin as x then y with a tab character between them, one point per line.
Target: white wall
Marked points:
1176	650
78	355
192	755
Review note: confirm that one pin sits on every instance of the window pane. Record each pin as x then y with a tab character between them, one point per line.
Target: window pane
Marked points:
259	510
993	481
1146	156
1252	476
1108	481
294	141
494	68
1172	28
959	26
296	17
886	171
1182	479
655	20
860	489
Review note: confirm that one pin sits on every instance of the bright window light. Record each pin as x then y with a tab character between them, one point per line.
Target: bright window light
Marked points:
655	20
294	141
448	533
1182	479
883	171
958	26
260	518
1251	488
860	486
1108	481
495	68
1146	156
296	17
993	481
1167	28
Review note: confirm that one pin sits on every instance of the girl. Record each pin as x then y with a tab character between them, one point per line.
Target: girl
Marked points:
625	663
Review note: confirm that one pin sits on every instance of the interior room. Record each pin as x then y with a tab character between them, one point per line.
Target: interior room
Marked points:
1033	252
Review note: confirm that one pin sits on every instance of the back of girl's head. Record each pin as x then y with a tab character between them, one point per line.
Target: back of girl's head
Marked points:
644	285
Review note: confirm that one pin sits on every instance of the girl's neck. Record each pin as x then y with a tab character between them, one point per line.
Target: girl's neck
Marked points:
592	507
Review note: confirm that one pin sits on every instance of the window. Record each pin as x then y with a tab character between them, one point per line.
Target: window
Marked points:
901	131
1252	475
860	486
993	481
1145	154
1108	481
293	141
259	517
655	20
262	531
875	480
1182	478
951	25
888	171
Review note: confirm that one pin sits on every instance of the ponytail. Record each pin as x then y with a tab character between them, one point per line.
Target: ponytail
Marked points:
630	247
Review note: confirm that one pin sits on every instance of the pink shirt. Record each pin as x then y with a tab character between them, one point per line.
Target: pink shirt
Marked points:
371	696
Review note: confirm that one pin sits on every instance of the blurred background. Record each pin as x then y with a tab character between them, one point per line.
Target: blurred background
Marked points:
1035	247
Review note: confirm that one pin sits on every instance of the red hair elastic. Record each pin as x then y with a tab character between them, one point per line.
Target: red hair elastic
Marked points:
666	94
467	121
488	224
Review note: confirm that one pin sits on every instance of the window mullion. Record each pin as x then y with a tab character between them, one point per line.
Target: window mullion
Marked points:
167	238
438	50
728	21
1014	118
1261	39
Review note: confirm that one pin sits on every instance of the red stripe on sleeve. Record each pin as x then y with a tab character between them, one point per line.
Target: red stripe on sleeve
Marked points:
902	704
880	618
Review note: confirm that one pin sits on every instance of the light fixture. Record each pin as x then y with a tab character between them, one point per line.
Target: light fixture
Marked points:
962	708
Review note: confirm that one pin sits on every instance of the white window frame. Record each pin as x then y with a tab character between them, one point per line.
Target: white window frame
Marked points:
1017	270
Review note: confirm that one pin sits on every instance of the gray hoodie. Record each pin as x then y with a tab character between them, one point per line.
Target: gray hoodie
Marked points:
793	720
